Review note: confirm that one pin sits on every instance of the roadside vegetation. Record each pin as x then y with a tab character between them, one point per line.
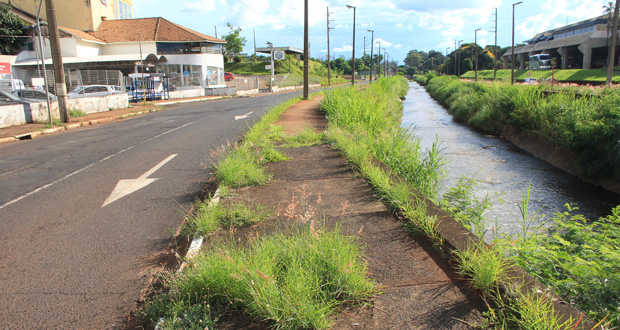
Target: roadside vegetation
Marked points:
295	279
561	75
587	125
578	258
573	256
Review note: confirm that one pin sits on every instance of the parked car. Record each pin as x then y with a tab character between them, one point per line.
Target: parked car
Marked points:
33	95
93	90
8	98
228	76
9	85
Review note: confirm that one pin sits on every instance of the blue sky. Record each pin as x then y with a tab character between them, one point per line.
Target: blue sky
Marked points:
399	25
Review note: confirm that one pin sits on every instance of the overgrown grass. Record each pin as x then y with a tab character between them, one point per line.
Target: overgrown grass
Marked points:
485	266
75	113
55	123
208	218
241	165
294	280
588	126
306	138
561	75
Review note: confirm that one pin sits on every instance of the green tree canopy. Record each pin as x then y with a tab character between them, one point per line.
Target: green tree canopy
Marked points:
10	26
234	42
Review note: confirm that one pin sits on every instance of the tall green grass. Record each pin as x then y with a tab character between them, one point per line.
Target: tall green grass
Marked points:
587	125
295	280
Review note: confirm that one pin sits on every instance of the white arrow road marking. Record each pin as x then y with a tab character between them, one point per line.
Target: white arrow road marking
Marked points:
126	187
244	116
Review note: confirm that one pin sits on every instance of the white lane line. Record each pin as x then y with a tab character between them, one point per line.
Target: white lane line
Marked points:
126	187
244	116
89	166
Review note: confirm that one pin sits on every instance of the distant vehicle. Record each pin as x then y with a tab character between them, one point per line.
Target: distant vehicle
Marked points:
531	80
228	76
540	62
7	98
9	85
94	90
33	95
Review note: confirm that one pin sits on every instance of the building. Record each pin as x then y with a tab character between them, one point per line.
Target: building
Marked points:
189	58
583	44
83	15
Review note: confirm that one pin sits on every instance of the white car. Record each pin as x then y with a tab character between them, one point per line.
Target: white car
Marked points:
93	90
33	95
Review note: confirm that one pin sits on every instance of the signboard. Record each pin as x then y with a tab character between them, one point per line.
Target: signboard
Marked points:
186	73
5	68
279	55
38	81
268	67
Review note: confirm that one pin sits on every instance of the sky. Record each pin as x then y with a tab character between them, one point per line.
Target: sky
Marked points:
399	25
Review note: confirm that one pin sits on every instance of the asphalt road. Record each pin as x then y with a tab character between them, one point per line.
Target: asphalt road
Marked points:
77	244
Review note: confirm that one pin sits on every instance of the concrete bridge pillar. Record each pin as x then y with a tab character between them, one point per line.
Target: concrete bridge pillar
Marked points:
586	50
523	58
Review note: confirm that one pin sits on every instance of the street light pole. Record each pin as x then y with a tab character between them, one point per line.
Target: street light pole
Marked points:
353	57
372	41
512	64
476	49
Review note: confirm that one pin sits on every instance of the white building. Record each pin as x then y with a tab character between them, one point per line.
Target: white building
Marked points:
189	58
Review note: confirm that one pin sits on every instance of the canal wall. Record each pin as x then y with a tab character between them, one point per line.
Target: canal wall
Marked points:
562	158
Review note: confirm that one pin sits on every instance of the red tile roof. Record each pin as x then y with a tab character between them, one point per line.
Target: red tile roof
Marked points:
80	34
147	29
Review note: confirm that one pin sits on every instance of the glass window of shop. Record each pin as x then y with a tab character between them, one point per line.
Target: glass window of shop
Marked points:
169	48
173	72
215	76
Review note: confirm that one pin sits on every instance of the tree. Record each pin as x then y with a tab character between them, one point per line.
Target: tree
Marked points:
413	59
234	42
10	26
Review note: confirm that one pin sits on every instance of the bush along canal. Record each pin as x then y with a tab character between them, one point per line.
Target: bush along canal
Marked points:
558	228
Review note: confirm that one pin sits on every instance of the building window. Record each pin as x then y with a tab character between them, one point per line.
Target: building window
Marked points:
123	10
171	48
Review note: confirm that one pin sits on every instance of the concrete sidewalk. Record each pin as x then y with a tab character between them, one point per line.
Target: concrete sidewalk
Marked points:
419	288
33	130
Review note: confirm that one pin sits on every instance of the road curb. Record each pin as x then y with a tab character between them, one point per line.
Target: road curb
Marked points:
32	135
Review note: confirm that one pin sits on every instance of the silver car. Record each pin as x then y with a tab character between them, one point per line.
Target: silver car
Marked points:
93	90
33	95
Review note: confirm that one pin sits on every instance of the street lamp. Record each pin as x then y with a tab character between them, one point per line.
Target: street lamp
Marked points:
353	57
512	64
372	41
476	49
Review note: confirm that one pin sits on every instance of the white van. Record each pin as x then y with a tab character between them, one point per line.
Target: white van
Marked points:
9	85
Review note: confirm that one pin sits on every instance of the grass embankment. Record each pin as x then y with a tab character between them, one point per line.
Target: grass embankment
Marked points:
561	75
578	258
293	280
365	126
588	126
291	67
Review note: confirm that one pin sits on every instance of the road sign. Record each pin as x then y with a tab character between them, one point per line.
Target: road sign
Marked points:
5	68
279	55
268	67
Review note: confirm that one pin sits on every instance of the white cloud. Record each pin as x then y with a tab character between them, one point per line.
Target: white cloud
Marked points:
398	46
345	48
384	43
556	13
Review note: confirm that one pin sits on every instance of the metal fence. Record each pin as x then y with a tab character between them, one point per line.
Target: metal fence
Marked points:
73	77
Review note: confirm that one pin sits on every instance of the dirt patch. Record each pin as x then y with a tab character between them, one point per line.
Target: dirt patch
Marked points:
419	289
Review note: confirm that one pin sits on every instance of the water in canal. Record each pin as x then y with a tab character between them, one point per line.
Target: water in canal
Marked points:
501	168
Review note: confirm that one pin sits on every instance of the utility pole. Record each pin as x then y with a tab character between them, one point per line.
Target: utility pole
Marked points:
447	48
329	69
512	64
59	72
495	49
612	50
215	26
255	45
306	51
372	41
476	49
